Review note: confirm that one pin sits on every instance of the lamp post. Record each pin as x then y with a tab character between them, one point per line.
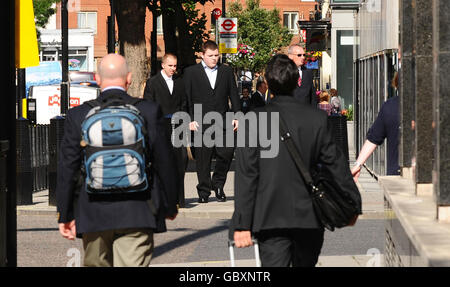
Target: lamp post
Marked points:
64	58
111	29
224	14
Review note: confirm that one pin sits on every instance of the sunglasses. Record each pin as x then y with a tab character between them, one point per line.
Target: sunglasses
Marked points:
300	55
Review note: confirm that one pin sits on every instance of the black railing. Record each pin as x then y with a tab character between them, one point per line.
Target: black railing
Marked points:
338	125
39	156
32	160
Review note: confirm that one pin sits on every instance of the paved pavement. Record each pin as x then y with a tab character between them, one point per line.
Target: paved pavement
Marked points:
373	208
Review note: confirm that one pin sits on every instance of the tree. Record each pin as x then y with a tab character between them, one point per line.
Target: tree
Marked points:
42	12
156	12
131	23
184	29
180	34
261	29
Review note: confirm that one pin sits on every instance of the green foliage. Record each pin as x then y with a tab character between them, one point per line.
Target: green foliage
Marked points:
349	113
43	10
261	29
196	24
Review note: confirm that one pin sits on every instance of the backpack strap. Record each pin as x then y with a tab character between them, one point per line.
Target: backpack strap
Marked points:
116	99
93	103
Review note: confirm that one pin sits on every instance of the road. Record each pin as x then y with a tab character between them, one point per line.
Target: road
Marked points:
202	241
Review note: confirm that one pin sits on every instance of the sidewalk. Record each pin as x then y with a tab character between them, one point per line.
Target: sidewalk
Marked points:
371	193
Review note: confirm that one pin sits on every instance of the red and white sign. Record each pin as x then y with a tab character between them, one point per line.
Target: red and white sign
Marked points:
55	100
303	36
217	13
228	25
227	35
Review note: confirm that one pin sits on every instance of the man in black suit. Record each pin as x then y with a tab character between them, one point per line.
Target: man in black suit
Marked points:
116	230
168	92
271	197
212	86
258	97
304	92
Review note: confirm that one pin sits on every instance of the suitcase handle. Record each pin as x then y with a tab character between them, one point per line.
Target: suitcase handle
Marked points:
231	245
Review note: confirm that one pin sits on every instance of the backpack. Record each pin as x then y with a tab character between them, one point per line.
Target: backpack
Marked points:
114	143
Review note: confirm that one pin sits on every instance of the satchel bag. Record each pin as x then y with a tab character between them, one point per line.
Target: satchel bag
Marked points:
333	207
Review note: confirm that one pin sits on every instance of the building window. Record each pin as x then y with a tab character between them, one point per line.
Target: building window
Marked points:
48	55
87	20
78	60
290	21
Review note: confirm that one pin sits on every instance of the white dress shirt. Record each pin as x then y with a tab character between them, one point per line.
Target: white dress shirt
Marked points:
169	81
211	73
113	87
300	72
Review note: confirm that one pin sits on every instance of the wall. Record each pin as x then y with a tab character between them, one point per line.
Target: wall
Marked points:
378	21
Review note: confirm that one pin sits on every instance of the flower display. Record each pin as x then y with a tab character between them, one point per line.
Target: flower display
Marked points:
313	56
243	58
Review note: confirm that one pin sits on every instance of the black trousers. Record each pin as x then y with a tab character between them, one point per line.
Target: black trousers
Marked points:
181	160
290	247
203	160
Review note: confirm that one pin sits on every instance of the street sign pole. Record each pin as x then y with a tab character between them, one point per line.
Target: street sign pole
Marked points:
111	29
8	226
216	14
64	99
223	8
224	14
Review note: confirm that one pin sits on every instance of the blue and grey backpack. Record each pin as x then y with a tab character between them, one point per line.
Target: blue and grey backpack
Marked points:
114	142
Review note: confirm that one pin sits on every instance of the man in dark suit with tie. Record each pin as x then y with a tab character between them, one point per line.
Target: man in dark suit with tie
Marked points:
271	198
168	92
304	92
213	86
117	229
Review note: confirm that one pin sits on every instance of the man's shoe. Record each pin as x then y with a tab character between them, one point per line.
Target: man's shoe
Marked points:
202	200
220	195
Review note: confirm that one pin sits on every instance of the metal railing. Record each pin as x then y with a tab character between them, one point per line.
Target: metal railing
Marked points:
372	87
39	156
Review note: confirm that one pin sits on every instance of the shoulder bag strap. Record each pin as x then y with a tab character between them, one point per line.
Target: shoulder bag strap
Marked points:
293	149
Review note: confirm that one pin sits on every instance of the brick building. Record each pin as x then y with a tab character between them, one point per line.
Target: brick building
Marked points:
92	14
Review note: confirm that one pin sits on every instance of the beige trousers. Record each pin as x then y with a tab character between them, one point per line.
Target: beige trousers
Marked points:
119	248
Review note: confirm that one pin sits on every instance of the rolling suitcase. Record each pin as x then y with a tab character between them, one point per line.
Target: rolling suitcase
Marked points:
255	245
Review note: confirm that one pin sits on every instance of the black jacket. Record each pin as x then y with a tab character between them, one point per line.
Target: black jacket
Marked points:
100	214
157	90
257	100
270	192
199	91
306	94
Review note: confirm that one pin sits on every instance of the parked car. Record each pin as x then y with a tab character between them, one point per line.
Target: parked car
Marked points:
85	83
77	76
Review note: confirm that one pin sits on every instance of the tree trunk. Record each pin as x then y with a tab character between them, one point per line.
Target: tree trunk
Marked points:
185	44
154	39
131	24
169	26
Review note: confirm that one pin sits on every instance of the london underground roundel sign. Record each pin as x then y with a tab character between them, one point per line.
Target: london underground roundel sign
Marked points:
227	35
